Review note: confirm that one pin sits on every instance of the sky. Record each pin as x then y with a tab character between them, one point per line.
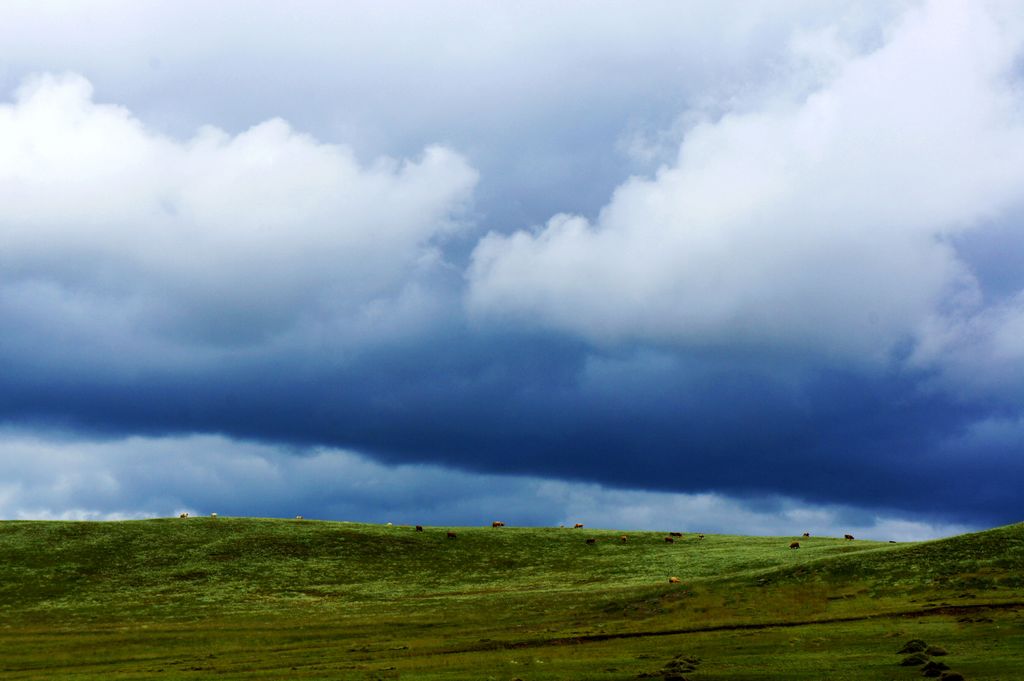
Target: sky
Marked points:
706	266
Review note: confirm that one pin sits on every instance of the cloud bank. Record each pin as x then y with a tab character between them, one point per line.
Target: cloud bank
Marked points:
220	239
817	221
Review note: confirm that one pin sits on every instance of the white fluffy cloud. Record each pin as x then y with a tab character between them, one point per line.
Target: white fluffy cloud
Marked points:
251	231
534	92
815	219
141	477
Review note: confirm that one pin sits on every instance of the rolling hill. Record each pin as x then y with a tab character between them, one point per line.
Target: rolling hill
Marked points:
268	598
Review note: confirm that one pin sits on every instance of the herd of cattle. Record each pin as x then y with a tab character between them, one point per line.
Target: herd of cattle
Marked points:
624	538
670	539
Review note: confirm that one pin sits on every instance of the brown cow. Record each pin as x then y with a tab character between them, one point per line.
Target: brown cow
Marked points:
794	545
497	523
451	535
624	538
848	537
676	534
807	535
673	580
669	540
577	526
591	541
419	528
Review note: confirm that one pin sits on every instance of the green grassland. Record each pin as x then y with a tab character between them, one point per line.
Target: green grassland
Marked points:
234	598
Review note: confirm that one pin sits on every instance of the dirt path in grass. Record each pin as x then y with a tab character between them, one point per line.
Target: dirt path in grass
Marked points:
595	638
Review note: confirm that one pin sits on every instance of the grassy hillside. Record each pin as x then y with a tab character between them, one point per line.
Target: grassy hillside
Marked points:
251	598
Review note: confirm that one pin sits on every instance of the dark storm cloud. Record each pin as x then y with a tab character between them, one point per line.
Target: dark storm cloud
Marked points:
533	406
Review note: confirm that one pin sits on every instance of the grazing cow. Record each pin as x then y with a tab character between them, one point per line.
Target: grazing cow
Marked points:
213	515
298	517
700	536
676	534
577	526
669	540
624	538
891	541
673	580
807	535
848	537
419	528
794	545
591	541
183	515
451	535
497	523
